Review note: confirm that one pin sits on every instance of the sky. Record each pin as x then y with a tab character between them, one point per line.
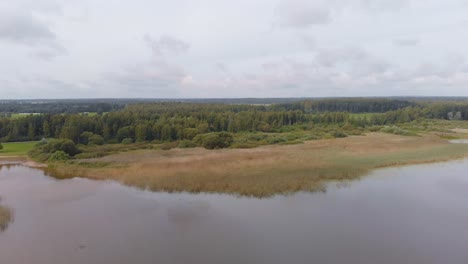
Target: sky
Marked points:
242	48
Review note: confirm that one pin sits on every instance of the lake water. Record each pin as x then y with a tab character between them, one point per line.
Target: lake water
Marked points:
415	214
459	141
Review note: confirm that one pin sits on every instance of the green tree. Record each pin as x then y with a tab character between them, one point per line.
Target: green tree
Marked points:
84	137
95	140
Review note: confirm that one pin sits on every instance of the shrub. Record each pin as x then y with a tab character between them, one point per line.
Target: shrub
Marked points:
187	144
276	140
127	141
169	145
91	155
124	132
397	131
95	140
244	145
59	156
1	146
190	133
84	137
217	140
65	145
112	141
338	134
43	151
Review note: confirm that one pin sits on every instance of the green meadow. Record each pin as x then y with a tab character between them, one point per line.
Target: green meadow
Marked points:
17	148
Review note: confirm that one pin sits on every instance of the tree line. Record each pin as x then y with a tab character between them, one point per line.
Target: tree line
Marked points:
167	122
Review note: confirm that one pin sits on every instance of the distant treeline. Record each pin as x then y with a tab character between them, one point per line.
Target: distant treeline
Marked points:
353	105
7	108
183	121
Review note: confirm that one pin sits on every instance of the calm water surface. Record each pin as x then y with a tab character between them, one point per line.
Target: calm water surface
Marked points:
415	214
459	141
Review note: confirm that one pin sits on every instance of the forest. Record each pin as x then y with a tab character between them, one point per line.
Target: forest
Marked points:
175	121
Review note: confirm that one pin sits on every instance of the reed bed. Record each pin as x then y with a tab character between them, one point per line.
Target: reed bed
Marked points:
263	171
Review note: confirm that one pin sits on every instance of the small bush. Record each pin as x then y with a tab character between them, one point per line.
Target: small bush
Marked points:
275	140
91	155
127	141
42	151
338	134
112	141
397	131
95	140
187	144
244	145
294	142
214	140
169	145
374	128
84	137
59	156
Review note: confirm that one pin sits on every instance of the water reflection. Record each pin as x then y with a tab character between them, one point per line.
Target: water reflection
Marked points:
6	217
414	214
6	213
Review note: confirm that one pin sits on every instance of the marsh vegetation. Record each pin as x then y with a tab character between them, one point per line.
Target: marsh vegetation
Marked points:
262	171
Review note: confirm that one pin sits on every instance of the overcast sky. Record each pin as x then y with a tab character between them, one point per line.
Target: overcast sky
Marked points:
242	48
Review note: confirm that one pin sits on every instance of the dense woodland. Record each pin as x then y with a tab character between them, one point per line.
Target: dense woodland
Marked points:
172	121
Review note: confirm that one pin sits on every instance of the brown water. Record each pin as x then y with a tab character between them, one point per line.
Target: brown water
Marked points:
415	214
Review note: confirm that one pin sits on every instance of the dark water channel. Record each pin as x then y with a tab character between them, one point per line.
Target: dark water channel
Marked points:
414	214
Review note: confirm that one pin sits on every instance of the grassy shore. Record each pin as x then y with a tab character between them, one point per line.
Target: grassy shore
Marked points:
263	171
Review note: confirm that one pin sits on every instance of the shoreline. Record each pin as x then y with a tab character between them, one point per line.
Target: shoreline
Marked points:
19	160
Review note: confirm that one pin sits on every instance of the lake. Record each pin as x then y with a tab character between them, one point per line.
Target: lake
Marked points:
414	214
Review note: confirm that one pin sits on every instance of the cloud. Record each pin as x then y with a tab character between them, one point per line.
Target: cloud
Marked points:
219	48
166	45
24	29
302	13
159	74
151	75
48	53
221	67
25	25
384	5
406	42
332	57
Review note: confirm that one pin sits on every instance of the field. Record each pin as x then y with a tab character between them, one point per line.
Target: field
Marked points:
263	171
21	115
19	149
